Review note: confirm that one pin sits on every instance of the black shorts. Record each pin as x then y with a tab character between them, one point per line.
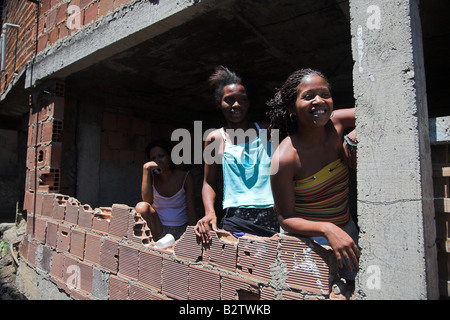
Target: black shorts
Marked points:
256	221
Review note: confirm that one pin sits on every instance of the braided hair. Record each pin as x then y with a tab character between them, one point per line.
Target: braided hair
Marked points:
286	95
221	78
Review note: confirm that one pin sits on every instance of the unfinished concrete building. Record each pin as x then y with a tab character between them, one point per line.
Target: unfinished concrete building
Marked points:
85	84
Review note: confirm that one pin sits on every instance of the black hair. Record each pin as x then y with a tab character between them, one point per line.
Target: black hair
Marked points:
165	145
287	94
221	78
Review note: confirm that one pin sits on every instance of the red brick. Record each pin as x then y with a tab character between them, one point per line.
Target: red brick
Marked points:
85	216
85	3
63	31
28	202
61	14
109	254
51	131
72	208
118	288
138	231
38	204
140	293
203	284
128	261
101	220
78	295
51	19
77	240
86	277
118	226
57	264
256	255
237	288
42	42
71	272
63	238
150	269
47	204
49	179
49	155
52	234
92	248
105	6
175	279
189	246
90	13
221	251
54	109
53	35
119	3
310	266
268	293
59	207
40	227
291	295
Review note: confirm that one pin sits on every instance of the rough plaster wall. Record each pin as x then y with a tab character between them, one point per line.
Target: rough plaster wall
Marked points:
394	167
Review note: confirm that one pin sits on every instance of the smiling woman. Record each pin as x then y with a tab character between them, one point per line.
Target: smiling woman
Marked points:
247	198
310	187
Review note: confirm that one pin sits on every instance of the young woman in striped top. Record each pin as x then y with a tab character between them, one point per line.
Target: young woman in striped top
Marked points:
313	158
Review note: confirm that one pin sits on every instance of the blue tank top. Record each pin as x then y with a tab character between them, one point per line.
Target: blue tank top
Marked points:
246	177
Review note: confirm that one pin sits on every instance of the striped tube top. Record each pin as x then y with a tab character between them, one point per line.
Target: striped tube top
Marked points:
323	196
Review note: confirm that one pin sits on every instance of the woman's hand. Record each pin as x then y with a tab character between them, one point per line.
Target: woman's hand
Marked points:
150	166
343	246
202	228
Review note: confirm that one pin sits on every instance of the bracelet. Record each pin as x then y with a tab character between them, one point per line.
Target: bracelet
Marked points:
350	141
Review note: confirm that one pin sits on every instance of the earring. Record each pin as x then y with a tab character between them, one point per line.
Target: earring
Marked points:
293	117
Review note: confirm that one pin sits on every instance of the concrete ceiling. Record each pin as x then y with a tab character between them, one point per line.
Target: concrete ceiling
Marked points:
166	76
263	40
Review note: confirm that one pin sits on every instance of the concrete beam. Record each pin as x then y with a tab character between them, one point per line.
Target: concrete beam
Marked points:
394	173
132	24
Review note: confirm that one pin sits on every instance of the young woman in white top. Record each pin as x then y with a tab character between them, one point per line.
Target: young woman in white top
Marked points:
168	194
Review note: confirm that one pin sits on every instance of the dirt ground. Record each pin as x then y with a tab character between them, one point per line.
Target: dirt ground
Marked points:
10	236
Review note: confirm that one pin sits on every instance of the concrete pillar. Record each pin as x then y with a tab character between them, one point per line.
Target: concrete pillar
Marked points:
394	173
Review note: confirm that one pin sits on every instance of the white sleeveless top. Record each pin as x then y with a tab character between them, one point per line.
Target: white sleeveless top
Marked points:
172	211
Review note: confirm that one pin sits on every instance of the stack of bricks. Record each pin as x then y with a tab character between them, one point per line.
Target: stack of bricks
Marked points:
44	145
108	253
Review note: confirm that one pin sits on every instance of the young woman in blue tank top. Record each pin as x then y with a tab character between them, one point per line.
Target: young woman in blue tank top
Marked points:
247	196
168	194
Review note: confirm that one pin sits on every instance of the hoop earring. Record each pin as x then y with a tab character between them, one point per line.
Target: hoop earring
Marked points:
293	117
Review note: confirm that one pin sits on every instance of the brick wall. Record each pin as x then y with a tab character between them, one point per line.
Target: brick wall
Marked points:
20	44
108	253
57	20
61	18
